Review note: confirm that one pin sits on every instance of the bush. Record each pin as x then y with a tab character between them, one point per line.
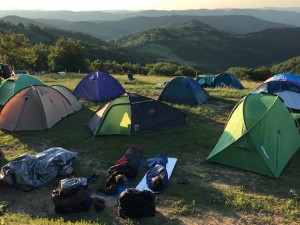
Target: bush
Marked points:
244	73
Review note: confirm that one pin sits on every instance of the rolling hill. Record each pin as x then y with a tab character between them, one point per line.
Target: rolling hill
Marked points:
94	47
112	29
232	24
193	42
289	66
211	50
279	15
35	30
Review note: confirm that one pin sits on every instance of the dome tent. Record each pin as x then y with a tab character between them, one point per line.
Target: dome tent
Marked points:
133	114
184	90
12	85
34	108
226	80
98	87
253	141
286	86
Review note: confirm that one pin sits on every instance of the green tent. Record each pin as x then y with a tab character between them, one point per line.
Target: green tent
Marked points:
133	114
13	85
261	136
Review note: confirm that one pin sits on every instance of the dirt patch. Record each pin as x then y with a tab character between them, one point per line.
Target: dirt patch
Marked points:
37	202
200	174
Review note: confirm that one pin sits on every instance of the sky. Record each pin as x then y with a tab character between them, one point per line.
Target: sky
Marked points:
96	5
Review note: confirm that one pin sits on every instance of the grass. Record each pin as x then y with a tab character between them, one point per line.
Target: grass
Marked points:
216	194
18	218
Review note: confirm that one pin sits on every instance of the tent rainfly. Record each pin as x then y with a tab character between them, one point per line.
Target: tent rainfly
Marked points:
184	90
13	85
226	80
133	114
261	136
98	87
34	108
286	86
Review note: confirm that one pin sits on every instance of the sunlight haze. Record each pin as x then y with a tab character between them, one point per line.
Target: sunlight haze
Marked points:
90	5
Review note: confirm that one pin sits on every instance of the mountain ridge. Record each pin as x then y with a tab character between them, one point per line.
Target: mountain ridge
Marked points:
285	15
234	24
210	49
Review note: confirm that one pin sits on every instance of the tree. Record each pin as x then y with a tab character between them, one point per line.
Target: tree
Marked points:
262	73
67	54
112	67
185	71
41	52
97	65
163	68
16	51
242	73
21	25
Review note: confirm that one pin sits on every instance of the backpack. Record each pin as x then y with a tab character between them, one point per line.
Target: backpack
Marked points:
4	71
72	195
136	204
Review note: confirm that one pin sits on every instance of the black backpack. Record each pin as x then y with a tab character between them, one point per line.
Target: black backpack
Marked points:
136	204
72	195
4	71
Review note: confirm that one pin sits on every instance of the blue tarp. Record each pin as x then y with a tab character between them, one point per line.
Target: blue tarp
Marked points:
98	87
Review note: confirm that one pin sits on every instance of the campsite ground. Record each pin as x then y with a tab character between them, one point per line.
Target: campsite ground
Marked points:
215	194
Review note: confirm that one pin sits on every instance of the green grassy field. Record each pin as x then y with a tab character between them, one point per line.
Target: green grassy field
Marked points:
216	194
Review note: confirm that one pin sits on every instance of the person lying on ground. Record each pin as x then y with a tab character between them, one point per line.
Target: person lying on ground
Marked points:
157	175
126	168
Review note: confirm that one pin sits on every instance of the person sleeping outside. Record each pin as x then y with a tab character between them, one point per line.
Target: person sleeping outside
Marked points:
125	169
157	175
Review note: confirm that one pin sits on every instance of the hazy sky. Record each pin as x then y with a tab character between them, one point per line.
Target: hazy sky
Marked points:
84	5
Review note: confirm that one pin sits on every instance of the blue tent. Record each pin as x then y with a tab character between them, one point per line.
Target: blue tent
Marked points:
184	90
286	86
226	80
291	78
98	87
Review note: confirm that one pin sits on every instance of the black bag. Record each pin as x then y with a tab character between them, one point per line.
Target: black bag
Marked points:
136	204
72	195
4	71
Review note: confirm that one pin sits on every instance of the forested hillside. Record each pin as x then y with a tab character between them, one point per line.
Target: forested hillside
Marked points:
94	47
288	66
192	44
286	16
210	49
105	30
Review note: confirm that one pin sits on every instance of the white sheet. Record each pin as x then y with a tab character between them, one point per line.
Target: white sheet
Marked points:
170	166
